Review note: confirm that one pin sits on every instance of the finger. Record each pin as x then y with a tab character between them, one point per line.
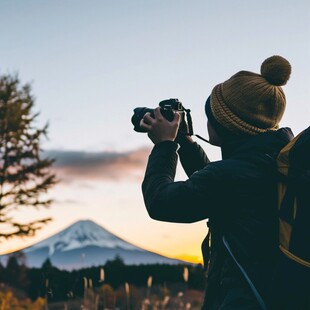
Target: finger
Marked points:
158	114
177	118
145	126
148	119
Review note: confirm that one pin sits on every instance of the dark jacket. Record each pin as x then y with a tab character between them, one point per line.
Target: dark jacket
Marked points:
239	197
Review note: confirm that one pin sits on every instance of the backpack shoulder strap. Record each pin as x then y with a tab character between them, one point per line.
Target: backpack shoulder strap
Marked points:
292	164
283	160
255	292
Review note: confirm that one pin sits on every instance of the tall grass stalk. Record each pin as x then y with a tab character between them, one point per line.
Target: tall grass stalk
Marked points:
46	294
127	295
149	286
85	290
102	275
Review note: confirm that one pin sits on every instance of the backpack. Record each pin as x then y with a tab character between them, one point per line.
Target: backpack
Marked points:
290	286
293	163
291	281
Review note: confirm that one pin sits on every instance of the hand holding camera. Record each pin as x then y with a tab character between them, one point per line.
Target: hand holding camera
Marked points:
159	129
167	109
143	121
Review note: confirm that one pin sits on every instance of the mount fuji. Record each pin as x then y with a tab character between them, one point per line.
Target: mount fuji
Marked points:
86	244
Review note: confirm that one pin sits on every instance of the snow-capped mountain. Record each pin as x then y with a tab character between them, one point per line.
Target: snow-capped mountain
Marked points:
81	234
86	244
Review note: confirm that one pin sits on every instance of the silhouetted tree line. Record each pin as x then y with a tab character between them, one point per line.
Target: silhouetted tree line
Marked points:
55	285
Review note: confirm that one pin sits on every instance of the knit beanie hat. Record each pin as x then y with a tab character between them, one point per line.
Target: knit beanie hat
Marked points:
250	103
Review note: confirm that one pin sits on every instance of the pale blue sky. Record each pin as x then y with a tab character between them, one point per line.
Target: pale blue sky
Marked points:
91	62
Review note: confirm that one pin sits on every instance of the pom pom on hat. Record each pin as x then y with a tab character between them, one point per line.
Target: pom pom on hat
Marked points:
276	70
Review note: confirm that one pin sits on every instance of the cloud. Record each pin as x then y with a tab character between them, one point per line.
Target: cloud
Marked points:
72	166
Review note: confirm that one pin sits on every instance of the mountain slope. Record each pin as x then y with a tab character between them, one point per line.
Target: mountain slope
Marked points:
85	244
81	234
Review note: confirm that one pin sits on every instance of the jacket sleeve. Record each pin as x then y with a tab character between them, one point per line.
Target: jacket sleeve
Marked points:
179	202
192	157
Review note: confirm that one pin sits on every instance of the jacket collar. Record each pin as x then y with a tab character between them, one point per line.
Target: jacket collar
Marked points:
270	142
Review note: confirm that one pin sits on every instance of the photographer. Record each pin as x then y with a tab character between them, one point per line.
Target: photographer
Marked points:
237	194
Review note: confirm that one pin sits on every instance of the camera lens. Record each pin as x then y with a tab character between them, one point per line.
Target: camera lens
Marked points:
138	114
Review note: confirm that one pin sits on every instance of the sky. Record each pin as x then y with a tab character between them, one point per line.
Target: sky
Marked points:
90	63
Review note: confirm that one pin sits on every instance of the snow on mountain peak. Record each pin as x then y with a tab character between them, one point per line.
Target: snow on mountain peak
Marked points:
81	234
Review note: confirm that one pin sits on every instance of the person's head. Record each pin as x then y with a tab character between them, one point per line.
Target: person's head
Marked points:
214	137
248	103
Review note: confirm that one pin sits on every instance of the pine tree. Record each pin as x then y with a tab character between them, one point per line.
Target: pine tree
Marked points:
16	272
25	177
12	271
47	265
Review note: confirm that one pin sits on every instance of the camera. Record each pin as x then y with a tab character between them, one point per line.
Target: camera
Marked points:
167	108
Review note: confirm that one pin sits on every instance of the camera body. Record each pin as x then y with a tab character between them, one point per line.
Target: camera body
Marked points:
167	108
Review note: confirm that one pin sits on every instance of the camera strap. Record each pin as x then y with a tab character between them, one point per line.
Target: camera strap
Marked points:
190	126
203	139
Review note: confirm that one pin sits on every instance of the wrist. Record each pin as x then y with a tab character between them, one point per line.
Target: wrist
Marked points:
184	140
167	144
164	140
